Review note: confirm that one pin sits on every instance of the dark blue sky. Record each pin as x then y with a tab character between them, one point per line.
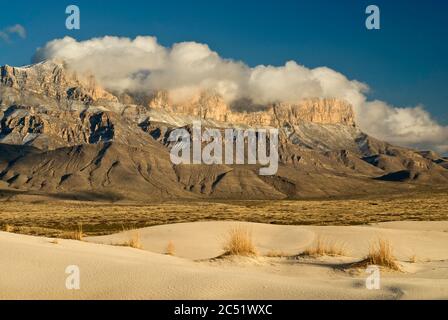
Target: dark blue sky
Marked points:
404	63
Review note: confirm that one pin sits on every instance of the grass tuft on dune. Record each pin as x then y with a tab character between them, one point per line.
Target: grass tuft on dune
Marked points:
381	254
239	243
324	248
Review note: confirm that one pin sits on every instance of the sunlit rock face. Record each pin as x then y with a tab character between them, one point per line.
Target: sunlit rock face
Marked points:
212	106
52	79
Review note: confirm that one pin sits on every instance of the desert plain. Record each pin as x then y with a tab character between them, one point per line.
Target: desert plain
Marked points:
302	249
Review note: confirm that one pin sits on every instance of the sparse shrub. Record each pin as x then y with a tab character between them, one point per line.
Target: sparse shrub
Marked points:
171	249
134	241
324	248
239	242
381	254
77	234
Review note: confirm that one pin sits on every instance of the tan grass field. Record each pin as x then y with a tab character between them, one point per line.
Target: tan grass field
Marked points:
48	217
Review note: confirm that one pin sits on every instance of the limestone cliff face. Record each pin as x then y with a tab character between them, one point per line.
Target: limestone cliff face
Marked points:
211	106
204	105
52	79
321	111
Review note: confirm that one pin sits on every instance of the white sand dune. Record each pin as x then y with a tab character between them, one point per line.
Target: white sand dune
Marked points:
203	240
34	268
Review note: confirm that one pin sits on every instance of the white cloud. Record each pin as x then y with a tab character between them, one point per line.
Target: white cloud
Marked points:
17	29
142	64
403	126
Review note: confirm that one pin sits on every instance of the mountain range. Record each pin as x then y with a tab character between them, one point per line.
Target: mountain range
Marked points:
62	134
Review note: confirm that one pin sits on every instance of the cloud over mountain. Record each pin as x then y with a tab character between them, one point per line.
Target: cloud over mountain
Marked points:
143	65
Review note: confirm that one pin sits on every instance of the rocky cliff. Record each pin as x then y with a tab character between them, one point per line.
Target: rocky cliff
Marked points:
212	106
52	79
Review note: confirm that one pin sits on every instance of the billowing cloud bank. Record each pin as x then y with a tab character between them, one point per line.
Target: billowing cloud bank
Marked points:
142	64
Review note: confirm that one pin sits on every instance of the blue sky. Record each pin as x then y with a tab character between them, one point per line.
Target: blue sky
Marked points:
404	63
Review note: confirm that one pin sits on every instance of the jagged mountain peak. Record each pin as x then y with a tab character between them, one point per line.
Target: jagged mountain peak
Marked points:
52	78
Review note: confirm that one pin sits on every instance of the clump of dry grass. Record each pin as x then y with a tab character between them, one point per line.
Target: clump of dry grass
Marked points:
324	248
413	259
135	240
381	254
77	234
8	228
170	249
239	242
